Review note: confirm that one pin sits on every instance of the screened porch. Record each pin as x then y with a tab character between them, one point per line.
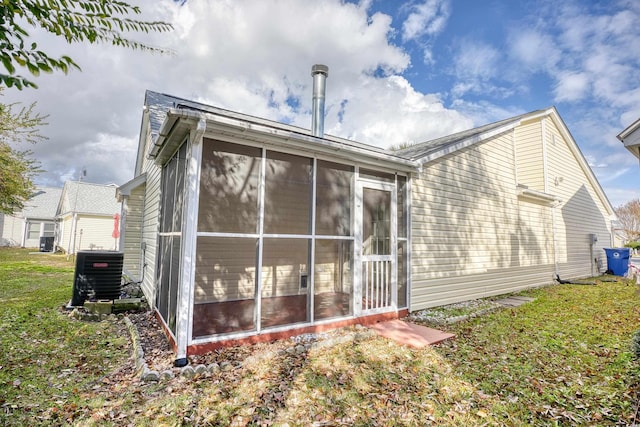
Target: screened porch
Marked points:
282	240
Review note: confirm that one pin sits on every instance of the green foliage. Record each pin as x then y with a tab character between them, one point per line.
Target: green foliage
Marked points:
17	168
635	343
16	172
76	21
633	245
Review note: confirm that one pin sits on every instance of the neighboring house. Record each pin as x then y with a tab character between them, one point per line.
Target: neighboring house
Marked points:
630	137
37	219
85	217
243	229
618	234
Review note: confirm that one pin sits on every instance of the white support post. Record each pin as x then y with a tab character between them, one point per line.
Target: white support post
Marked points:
184	309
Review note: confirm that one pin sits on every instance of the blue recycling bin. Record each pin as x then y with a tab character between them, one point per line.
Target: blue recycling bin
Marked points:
618	260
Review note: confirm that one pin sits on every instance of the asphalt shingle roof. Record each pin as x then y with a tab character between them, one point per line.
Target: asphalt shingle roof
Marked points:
87	198
420	150
43	204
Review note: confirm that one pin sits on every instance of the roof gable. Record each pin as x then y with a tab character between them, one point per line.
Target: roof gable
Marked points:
87	198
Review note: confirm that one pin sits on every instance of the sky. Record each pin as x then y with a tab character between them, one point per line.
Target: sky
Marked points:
399	72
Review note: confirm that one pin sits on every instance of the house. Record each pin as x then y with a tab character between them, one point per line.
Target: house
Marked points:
85	217
501	208
630	137
36	220
241	229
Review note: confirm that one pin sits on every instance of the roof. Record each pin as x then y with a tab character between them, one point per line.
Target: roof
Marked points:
164	111
43	204
629	130
87	198
630	137
447	144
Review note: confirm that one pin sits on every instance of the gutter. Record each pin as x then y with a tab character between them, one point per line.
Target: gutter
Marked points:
278	137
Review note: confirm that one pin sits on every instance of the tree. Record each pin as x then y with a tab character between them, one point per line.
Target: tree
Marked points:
17	168
629	219
76	20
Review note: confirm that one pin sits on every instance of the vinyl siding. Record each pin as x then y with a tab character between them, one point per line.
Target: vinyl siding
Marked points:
94	233
150	226
65	237
529	155
468	235
473	236
133	232
582	212
12	227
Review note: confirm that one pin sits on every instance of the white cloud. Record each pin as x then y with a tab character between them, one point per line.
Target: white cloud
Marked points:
571	86
254	57
428	18
535	50
390	111
476	59
475	65
484	112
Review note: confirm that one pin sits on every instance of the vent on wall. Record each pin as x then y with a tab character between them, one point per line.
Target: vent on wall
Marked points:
98	276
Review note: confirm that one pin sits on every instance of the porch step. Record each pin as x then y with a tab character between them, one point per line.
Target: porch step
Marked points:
409	333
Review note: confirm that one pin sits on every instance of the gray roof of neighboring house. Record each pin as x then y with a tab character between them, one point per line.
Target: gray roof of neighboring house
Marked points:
426	148
43	204
87	198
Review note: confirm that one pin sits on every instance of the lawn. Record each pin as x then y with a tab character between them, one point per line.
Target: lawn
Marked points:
563	359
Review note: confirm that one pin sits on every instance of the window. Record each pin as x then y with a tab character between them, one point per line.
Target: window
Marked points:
33	230
49	229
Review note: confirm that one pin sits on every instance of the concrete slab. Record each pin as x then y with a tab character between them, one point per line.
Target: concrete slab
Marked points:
514	301
409	333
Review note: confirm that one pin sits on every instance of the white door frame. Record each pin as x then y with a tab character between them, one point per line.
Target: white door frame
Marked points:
360	258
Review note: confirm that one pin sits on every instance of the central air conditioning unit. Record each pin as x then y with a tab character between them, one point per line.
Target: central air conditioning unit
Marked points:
98	276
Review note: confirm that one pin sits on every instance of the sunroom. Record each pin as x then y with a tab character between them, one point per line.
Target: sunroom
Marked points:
266	230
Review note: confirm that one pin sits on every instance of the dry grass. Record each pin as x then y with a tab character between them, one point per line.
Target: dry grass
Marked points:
564	359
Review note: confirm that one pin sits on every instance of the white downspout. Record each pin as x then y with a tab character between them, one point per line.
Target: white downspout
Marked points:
25	227
184	306
555	238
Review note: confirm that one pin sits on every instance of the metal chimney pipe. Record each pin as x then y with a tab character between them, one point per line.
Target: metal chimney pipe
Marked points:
319	73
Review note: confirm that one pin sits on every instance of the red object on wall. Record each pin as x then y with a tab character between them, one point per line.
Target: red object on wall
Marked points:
116	226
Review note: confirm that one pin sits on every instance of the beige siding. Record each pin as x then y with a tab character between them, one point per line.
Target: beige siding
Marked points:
133	232
468	234
581	212
150	228
529	154
65	236
12	228
94	233
472	234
